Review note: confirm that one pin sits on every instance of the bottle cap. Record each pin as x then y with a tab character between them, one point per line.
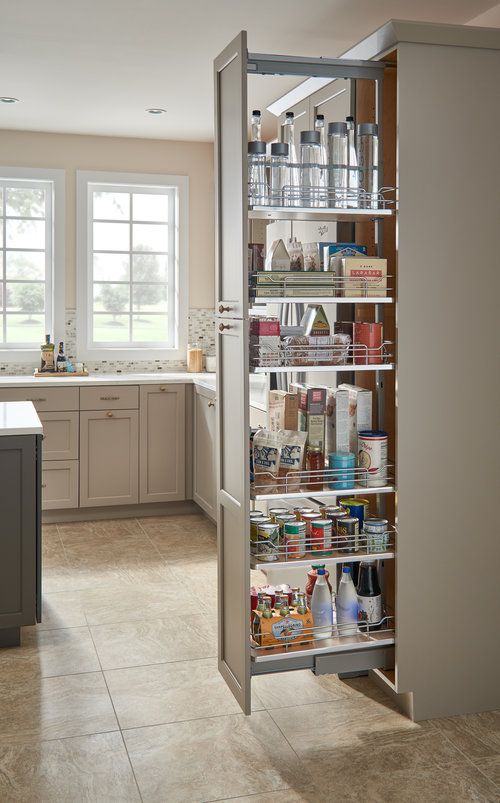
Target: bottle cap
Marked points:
279	149
337	128
290	115
309	138
257	147
349	118
256	111
368	128
321	570
320	117
346	570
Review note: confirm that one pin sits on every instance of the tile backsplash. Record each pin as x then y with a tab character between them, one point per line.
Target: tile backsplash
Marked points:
201	328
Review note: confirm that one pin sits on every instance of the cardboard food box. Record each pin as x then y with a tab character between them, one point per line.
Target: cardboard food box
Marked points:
315	321
277	257
311	399
313	424
280	630
364	276
265	327
337	422
360	412
283	410
333	253
256	256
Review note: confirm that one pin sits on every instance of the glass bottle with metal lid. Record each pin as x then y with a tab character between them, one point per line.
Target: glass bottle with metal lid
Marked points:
280	174
368	164
288	136
310	169
337	164
257	180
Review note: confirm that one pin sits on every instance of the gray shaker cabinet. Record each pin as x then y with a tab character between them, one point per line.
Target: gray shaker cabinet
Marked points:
20	547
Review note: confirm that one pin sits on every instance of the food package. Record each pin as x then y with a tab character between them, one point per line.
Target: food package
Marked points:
277	257
311	257
333	253
293	446
330	350
313	424
311	399
296	254
315	321
280	630
256	256
282	410
360	412
364	276
266	461
270	591
337	421
265	342
296	350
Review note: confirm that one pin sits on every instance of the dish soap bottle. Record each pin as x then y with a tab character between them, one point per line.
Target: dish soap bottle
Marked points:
321	606
47	356
347	605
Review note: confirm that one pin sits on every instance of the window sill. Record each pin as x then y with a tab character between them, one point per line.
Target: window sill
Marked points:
24	356
139	354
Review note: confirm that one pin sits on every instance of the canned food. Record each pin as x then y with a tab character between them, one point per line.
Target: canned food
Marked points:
348	534
356	507
295	540
299	511
335	516
267	546
321	537
281	521
254	522
274	512
325	510
372	456
376	534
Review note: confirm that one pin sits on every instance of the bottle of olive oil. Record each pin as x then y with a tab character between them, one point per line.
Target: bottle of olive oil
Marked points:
61	362
47	356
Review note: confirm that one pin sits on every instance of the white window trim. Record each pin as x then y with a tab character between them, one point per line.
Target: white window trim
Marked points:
84	350
58	179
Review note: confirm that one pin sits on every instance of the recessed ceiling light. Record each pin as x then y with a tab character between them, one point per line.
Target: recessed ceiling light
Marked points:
156	111
6	99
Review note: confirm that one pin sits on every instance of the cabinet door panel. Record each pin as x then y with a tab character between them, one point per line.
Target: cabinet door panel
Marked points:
59	484
44	398
162	443
204	451
60	435
231	195
109	458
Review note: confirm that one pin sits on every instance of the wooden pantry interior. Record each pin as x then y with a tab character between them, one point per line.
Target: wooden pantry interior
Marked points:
433	91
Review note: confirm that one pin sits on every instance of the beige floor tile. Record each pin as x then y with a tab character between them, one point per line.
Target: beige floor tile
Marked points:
279	691
102	531
49	533
37	709
163	693
179	638
490	767
86	768
209	759
62	609
141	602
47	653
477	735
311	795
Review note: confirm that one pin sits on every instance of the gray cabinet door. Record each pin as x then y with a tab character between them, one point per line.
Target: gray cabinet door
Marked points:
19	530
204	450
109	458
231	189
162	443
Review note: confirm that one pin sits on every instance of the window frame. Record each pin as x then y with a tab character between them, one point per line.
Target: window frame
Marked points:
178	238
55	264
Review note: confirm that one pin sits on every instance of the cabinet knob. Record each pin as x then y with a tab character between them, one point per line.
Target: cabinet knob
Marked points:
223	326
222	309
44	485
211	404
109	414
163	387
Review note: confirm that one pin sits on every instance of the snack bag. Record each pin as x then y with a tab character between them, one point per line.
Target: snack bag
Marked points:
266	461
293	447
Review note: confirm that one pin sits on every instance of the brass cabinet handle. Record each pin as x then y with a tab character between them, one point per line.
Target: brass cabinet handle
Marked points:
224	309
211	404
41	399
109	398
109	414
163	387
223	326
44	485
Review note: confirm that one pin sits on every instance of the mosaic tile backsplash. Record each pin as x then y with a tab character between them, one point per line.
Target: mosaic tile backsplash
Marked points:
201	328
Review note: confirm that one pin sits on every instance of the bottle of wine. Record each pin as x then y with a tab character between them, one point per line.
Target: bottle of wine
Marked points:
369	596
47	356
61	362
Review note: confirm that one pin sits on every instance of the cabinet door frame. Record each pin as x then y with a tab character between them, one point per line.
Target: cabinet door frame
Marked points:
179	493
71	466
71	453
86	416
207	397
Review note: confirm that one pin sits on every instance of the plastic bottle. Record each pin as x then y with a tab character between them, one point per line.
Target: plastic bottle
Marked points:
321	607
347	604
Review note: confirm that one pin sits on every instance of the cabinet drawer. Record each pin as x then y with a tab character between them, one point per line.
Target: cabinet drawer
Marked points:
60	435
59	484
110	397
44	399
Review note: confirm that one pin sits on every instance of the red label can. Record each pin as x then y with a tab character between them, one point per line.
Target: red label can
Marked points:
367	343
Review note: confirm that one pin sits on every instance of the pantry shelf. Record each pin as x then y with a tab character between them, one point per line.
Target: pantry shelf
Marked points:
358	491
261	300
332	560
306	213
287	369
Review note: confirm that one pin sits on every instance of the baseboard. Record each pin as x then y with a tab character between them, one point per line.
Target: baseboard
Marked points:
121	512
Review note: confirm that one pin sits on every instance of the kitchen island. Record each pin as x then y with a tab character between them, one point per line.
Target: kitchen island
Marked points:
20	532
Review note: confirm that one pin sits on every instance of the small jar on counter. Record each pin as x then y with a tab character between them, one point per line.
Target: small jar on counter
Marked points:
194	358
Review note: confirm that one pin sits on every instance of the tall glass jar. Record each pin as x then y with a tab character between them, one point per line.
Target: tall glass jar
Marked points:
279	174
288	136
352	166
257	180
310	169
337	164
368	163
319	125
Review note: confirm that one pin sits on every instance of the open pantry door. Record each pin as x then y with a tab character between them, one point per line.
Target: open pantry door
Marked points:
233	535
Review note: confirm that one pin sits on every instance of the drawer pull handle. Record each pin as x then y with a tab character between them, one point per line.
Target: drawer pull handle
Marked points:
44	485
109	414
211	404
163	387
222	309
41	399
110	398
223	326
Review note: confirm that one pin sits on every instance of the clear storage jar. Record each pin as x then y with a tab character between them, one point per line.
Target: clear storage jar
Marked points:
368	164
337	164
279	175
311	171
257	178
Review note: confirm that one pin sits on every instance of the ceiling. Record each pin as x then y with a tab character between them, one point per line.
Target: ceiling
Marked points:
93	67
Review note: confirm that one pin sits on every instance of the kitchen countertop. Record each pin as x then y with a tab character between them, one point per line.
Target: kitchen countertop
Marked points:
204	380
19	418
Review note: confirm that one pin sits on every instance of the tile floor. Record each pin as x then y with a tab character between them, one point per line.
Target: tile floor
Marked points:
105	701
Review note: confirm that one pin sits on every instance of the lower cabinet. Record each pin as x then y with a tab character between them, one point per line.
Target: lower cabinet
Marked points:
59	484
109	457
162	457
204	482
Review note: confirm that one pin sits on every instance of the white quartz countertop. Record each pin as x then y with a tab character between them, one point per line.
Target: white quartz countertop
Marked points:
204	380
19	418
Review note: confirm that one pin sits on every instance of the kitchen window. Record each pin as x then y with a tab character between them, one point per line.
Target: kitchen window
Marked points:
132	266
32	261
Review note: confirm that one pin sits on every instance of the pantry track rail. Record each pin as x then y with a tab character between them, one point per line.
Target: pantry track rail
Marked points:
307	213
256	301
288	369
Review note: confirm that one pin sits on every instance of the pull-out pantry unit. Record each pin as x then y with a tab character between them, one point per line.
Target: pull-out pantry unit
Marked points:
433	90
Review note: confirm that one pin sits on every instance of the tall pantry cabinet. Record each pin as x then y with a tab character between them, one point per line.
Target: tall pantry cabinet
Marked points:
434	91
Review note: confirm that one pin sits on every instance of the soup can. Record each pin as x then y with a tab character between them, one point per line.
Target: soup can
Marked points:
284	518
267	545
372	456
308	518
274	512
295	539
376	533
356	507
325	510
321	537
348	534
367	343
299	511
254	522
